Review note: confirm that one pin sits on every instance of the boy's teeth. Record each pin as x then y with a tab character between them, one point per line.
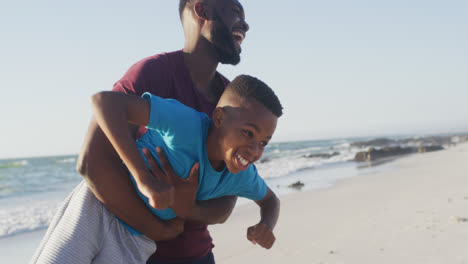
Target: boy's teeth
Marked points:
243	161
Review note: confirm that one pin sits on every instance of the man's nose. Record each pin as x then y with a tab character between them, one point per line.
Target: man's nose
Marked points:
245	26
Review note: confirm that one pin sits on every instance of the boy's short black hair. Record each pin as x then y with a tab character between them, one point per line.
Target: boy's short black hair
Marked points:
247	86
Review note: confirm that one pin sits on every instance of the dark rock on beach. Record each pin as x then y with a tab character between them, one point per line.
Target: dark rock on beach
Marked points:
297	185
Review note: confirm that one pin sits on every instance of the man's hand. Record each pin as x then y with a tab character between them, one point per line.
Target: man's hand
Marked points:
183	191
160	194
261	234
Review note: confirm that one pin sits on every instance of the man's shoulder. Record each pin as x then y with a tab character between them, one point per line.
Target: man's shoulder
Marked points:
161	61
151	74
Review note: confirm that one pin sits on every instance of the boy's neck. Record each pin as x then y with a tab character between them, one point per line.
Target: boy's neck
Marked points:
213	149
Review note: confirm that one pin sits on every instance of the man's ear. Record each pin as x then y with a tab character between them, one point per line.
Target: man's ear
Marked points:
201	10
218	116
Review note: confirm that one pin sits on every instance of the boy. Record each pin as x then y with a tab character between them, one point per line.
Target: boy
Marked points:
243	123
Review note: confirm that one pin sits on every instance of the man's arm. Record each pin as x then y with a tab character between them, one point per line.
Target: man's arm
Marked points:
108	179
214	211
262	233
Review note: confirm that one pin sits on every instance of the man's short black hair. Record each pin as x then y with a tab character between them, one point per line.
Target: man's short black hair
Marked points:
247	86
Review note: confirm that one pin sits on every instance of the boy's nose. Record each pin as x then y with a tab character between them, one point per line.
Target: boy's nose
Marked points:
254	151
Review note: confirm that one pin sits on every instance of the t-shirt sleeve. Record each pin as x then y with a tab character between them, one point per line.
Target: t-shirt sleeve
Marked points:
172	117
252	185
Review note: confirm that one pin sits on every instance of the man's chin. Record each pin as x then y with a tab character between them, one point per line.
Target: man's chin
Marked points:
232	60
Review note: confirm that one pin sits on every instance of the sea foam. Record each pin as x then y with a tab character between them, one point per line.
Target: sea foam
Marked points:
289	164
14	164
26	218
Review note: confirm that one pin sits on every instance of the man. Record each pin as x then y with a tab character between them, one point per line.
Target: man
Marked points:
214	31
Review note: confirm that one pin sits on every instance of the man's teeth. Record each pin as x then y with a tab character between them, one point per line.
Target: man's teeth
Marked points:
243	161
239	35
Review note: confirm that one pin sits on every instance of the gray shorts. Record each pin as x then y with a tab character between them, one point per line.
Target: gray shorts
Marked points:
84	231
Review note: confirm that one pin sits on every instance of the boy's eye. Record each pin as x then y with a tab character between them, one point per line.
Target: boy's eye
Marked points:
247	133
263	144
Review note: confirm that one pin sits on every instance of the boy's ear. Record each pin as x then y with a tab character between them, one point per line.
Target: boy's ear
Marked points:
201	10
218	116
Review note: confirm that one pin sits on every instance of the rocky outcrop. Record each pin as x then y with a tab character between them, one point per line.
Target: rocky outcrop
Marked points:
374	154
428	141
322	155
423	149
378	142
413	142
459	139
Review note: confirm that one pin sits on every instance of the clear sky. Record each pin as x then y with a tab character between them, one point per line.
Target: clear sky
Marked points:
341	67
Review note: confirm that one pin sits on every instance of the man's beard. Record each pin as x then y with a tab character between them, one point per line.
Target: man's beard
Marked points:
223	43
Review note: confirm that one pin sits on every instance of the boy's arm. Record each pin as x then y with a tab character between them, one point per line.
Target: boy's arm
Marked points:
113	112
262	233
108	179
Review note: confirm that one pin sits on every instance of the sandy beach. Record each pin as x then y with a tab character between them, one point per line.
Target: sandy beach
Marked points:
415	213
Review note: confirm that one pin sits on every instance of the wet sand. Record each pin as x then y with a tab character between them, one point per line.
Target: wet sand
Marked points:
416	213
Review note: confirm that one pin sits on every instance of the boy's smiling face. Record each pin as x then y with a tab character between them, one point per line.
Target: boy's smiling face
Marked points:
243	129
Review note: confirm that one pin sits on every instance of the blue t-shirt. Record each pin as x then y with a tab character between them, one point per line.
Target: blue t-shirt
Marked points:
181	132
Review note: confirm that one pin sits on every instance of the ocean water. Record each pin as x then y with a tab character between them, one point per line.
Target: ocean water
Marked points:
31	189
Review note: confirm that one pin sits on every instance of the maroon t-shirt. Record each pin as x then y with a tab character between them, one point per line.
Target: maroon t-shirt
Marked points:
166	75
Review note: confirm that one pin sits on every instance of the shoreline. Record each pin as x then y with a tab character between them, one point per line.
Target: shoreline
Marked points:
359	218
20	248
